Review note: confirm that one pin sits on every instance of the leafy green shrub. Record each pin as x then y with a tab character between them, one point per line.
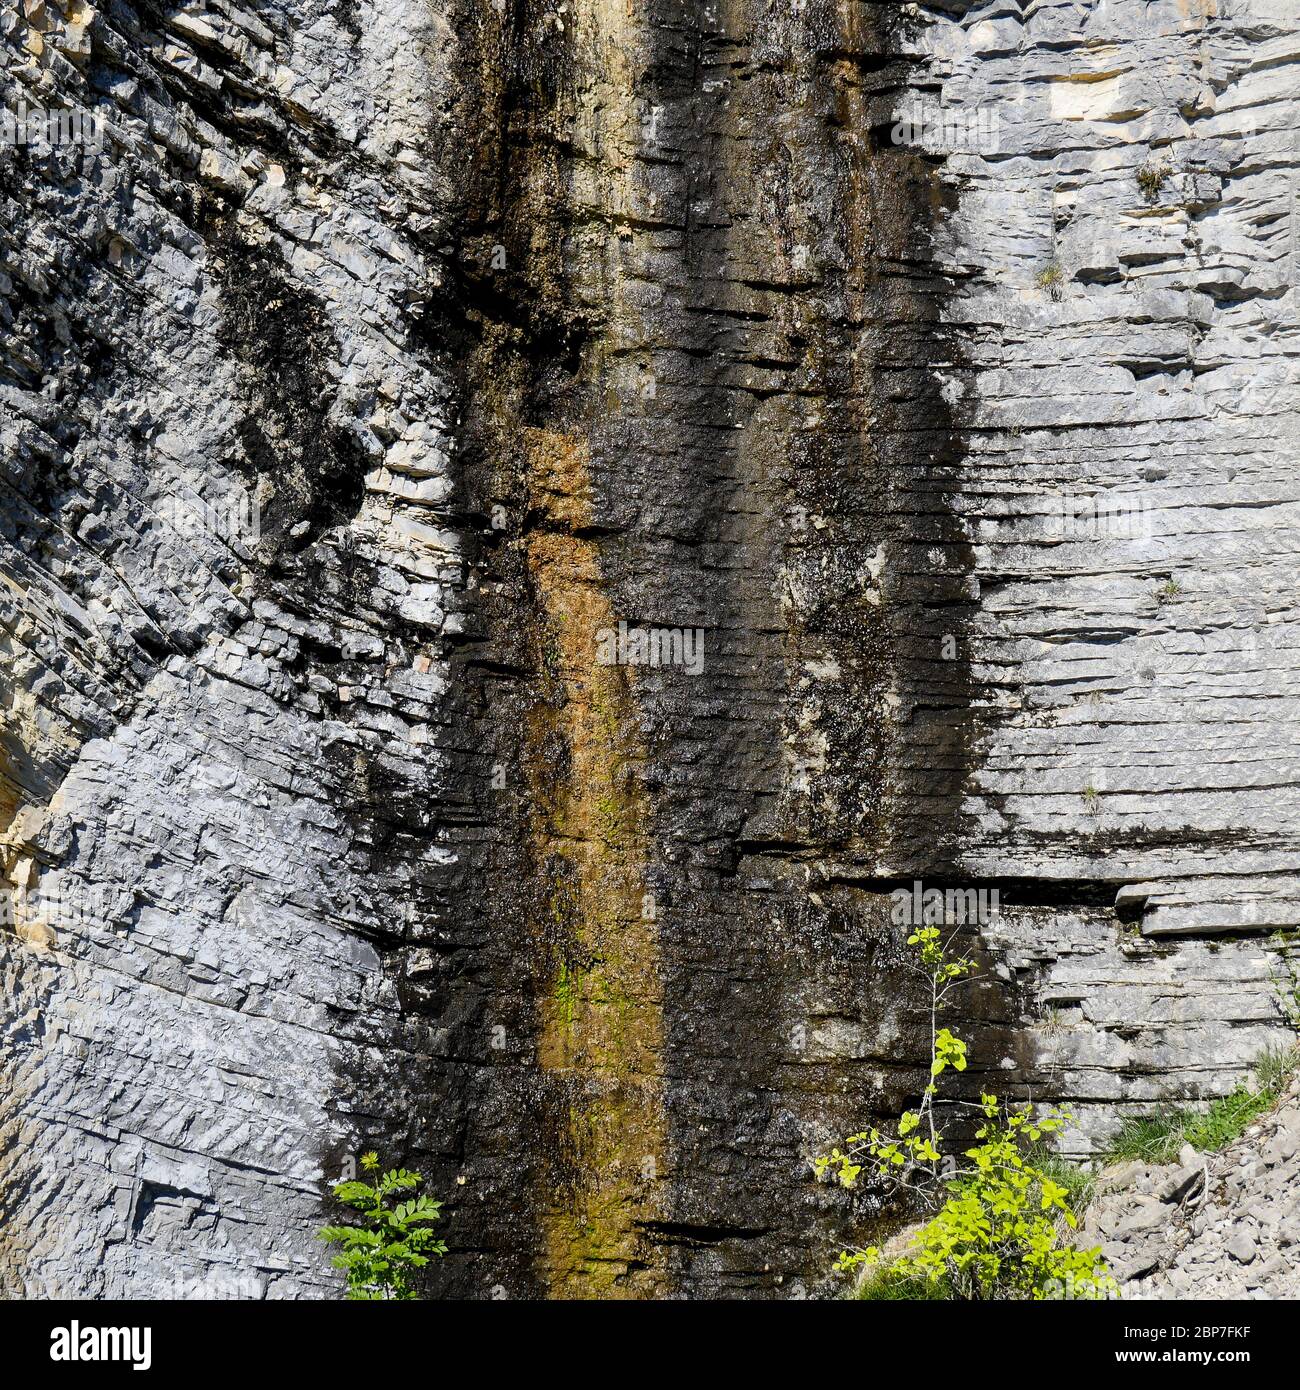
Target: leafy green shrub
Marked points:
1078	1180
996	1227
380	1255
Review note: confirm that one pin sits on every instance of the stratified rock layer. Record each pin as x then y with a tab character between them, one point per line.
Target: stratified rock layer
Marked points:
1129	265
386	359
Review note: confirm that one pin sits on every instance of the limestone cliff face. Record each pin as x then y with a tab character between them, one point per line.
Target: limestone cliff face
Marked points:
381	380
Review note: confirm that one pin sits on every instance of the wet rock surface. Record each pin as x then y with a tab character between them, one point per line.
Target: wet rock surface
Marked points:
379	360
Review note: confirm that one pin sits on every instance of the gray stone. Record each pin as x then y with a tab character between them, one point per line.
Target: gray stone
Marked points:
1120	1175
1179	1183
1145	1214
1242	1247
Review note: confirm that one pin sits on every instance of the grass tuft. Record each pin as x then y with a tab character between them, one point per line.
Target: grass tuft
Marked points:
1051	280
1275	1068
1151	178
884	1286
1158	1138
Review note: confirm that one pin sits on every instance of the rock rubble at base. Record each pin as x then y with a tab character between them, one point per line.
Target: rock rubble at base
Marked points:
1219	1226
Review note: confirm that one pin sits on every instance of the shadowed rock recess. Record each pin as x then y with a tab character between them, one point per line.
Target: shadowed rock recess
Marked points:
381	381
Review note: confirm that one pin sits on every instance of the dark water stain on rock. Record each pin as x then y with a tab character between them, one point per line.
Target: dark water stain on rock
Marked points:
682	247
781	488
308	469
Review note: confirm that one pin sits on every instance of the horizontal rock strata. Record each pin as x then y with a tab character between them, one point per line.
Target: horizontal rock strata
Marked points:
382	383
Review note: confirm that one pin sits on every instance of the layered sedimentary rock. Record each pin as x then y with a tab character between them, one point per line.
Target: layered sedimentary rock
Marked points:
529	531
1129	318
